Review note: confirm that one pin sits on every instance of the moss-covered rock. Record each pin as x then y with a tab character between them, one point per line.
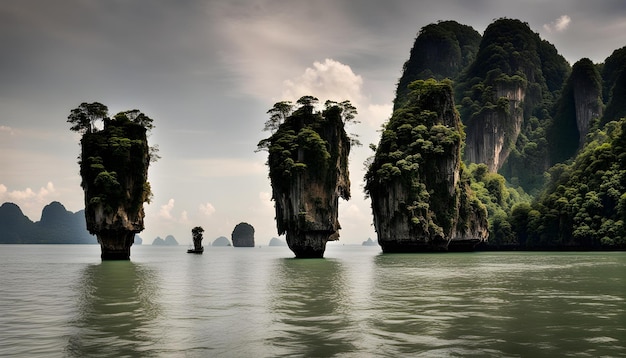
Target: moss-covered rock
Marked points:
421	196
114	170
308	170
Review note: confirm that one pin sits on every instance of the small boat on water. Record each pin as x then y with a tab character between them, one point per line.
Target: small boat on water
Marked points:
196	250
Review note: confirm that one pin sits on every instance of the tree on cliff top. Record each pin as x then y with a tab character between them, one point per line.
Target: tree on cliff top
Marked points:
295	128
196	235
83	117
112	155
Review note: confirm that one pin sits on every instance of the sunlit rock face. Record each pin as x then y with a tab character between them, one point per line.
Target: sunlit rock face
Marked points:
587	92
308	160
421	200
114	170
490	135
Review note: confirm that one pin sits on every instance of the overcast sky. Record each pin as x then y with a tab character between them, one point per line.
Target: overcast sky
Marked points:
207	72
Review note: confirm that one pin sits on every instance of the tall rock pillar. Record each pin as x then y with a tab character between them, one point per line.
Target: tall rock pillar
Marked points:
308	162
421	201
114	170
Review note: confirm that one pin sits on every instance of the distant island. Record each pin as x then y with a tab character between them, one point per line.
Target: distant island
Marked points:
369	242
221	241
57	226
169	241
277	242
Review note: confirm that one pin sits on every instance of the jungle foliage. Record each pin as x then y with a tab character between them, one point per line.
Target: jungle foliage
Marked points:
297	142
551	192
584	202
419	148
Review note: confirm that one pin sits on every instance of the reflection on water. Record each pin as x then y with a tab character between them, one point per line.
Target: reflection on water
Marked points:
354	303
310	309
115	311
496	305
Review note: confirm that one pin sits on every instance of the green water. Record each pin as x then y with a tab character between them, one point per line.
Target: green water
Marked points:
260	302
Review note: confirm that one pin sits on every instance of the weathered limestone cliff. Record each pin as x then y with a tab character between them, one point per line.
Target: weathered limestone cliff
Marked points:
308	161
587	90
579	105
114	170
492	133
421	199
441	50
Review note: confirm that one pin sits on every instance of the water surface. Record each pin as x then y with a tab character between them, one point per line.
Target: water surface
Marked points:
59	300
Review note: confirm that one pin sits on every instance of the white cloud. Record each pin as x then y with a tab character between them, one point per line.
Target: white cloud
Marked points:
207	209
29	194
333	80
166	213
377	114
8	130
3	190
166	210
330	80
559	25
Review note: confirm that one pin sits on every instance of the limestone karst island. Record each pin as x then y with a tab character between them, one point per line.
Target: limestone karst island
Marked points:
308	164
495	142
114	164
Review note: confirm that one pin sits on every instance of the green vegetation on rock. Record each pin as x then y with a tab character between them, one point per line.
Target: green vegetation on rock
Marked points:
308	170
114	164
584	204
421	195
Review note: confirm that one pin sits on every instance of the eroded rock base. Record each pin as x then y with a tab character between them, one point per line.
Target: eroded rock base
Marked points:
308	245
115	244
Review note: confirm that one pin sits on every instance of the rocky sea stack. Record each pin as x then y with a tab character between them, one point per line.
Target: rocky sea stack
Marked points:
243	235
114	170
308	164
420	192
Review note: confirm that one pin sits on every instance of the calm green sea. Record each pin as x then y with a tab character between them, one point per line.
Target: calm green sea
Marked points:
63	301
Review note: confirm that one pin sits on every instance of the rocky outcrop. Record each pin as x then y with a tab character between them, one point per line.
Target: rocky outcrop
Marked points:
243	235
421	200
308	162
492	134
579	105
441	50
587	88
506	98
114	170
15	227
